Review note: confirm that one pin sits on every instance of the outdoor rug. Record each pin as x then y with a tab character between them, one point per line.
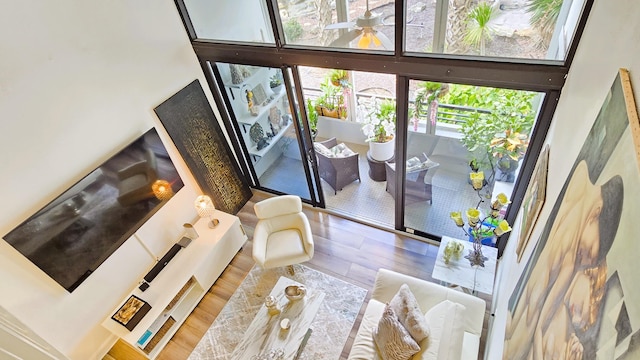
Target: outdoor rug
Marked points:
331	326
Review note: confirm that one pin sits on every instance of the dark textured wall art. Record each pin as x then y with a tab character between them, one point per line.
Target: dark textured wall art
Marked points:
194	129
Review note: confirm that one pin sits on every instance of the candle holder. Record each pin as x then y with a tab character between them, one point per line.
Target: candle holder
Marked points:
480	228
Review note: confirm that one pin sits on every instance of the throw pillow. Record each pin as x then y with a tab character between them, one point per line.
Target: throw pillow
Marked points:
391	338
321	149
406	307
446	322
341	150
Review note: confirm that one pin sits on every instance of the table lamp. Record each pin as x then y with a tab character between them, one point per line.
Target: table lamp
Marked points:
204	207
162	190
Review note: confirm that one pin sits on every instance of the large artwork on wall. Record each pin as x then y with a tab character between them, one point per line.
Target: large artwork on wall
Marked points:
578	296
195	131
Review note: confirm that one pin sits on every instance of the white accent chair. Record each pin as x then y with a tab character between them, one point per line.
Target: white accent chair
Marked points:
282	236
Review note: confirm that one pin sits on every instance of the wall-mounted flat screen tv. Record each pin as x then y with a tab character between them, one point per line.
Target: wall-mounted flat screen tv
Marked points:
76	232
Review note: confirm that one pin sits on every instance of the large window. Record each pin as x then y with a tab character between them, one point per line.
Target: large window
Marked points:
387	48
512	29
534	29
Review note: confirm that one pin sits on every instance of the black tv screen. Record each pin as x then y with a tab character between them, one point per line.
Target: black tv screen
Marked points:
76	232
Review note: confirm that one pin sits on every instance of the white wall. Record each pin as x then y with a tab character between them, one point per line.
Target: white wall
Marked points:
611	41
79	81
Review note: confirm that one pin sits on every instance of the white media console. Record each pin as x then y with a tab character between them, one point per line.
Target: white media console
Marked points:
179	287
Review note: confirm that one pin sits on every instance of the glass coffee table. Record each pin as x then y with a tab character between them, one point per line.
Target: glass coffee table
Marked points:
266	339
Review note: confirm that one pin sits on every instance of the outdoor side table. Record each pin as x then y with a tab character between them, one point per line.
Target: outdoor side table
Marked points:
377	171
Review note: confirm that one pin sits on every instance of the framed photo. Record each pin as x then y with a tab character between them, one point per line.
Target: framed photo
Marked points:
131	312
259	95
533	200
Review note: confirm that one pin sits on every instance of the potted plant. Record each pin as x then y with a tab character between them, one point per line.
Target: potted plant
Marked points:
508	148
275	82
339	78
331	101
312	117
501	135
379	118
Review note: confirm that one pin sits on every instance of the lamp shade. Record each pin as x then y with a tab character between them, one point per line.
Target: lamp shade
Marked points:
204	206
162	190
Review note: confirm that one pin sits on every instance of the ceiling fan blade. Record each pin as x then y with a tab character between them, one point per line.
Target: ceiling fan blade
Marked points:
364	41
386	42
346	38
341	25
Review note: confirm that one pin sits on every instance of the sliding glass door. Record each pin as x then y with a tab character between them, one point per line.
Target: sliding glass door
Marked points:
261	103
454	130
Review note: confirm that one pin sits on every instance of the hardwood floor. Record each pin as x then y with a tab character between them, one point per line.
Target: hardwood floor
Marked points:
344	249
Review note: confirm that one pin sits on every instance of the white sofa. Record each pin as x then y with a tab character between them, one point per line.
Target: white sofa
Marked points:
428	295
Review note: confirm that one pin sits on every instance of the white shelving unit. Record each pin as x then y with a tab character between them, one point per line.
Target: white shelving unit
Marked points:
261	159
248	119
176	291
260	153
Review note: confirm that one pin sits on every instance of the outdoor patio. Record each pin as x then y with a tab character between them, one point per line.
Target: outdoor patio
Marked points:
369	201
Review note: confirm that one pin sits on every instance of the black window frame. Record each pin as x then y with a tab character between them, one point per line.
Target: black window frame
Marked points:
544	76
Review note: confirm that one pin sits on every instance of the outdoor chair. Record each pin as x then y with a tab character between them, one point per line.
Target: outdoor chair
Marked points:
418	185
337	164
282	236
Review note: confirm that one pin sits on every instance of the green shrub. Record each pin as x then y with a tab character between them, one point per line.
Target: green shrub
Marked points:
292	30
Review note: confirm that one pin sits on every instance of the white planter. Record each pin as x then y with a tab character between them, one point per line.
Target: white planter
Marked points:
382	151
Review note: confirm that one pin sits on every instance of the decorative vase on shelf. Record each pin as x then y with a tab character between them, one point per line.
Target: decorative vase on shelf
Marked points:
507	167
382	151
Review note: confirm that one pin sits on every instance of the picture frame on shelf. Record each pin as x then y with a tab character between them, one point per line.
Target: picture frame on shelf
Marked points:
259	95
131	312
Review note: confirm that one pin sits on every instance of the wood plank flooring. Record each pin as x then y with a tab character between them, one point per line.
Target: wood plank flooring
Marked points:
345	249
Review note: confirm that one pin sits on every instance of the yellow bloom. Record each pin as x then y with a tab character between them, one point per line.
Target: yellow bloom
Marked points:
473	215
457	218
501	200
477	180
502	228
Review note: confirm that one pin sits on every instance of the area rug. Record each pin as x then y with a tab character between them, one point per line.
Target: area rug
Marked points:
331	326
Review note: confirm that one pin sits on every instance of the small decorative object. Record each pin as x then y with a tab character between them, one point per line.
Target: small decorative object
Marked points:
272	305
190	231
295	292
204	207
285	324
246	70
236	73
250	103
259	95
131	312
162	190
452	250
275	83
275	117
481	229
257	135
